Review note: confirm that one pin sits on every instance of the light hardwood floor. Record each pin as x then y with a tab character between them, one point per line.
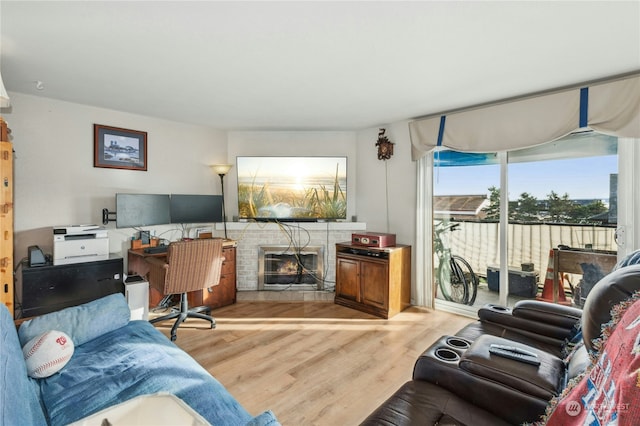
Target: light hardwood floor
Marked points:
312	363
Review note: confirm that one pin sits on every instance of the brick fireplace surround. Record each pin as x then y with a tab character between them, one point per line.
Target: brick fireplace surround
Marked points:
251	235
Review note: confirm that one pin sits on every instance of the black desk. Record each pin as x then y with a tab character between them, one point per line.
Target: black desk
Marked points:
50	288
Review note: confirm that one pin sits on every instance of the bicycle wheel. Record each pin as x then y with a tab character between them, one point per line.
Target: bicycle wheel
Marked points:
470	278
452	282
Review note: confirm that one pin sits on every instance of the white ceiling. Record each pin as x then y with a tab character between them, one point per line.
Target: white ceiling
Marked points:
309	65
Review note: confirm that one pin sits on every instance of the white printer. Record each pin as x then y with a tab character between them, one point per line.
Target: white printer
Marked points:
79	243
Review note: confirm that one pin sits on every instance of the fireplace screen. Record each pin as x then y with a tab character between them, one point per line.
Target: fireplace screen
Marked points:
284	268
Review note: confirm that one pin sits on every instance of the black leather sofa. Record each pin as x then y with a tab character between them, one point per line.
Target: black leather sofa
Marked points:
458	381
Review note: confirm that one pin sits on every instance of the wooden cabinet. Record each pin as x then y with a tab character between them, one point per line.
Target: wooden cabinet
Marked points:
376	281
224	293
6	219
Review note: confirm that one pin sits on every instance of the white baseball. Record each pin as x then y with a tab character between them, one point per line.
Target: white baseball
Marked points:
47	354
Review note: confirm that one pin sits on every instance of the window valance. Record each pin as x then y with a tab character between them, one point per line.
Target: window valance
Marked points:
611	108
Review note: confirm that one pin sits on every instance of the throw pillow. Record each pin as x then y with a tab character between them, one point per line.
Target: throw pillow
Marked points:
82	323
47	354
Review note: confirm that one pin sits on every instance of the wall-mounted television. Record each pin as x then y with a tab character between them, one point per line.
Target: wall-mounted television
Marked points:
133	210
292	188
196	208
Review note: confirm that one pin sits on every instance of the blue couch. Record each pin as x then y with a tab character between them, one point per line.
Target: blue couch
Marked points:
114	361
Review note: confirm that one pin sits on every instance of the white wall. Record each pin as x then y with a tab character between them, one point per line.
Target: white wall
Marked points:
56	183
386	195
386	188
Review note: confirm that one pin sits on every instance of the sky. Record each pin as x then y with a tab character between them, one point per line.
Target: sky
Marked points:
290	167
581	178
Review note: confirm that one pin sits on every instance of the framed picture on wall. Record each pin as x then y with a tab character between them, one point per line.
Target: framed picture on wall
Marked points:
116	148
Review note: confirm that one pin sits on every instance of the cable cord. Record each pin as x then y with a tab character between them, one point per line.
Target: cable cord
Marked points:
294	237
386	184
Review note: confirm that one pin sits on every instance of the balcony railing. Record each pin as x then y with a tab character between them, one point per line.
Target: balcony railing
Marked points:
478	242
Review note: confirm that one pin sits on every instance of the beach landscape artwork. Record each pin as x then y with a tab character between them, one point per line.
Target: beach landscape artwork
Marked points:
292	188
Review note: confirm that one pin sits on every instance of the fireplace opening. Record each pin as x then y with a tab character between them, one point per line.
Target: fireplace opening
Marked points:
285	268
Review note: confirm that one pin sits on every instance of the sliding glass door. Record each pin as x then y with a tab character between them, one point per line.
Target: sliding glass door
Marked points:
560	195
465	226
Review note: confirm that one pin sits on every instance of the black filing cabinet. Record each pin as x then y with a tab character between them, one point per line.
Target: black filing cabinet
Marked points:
50	288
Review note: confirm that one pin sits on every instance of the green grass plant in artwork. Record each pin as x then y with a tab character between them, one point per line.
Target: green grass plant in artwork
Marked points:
317	201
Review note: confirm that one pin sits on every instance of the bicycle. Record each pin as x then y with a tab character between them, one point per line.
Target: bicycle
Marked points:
456	278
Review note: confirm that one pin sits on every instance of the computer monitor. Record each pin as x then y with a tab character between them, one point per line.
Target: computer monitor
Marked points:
196	208
134	210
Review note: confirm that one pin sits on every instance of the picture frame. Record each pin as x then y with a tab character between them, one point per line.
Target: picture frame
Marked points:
118	148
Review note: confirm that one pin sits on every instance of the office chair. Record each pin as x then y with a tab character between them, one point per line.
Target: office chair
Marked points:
189	266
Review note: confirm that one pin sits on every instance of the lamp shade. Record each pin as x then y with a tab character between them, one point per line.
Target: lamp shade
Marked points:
221	169
4	97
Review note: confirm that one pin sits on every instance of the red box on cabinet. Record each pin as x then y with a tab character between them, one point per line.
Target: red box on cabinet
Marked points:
373	239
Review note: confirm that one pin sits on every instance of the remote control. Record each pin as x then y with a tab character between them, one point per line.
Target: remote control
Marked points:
515	355
514	349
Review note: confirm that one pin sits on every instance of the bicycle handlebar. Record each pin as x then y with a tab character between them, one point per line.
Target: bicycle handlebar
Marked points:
451	227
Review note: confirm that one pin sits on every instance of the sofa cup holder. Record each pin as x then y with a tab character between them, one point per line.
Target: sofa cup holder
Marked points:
458	343
446	354
498	308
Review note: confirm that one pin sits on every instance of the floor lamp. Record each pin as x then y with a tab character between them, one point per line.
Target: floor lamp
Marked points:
221	170
4	96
